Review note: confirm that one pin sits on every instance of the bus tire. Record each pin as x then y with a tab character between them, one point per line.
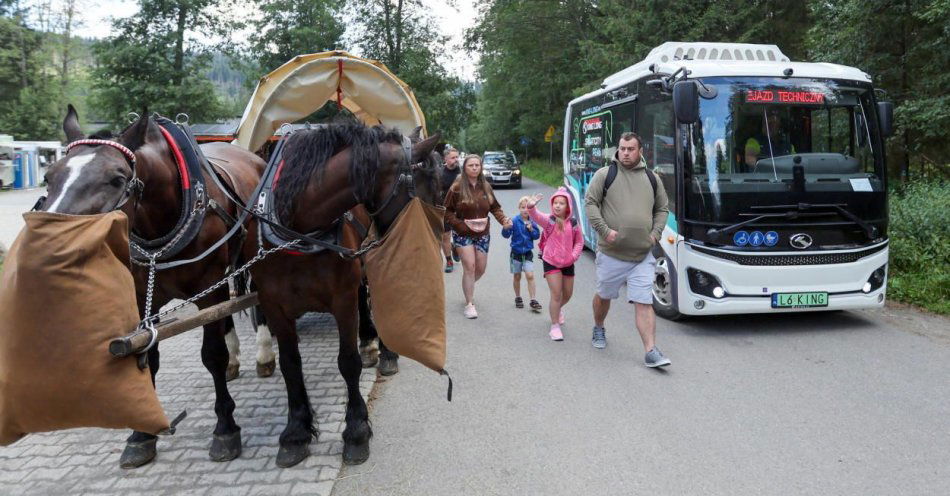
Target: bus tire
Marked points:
664	290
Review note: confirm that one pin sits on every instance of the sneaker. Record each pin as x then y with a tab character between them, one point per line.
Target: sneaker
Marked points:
599	339
470	312
535	306
449	266
555	333
519	303
655	358
560	318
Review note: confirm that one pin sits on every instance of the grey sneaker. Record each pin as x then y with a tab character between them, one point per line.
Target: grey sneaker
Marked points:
599	339
655	358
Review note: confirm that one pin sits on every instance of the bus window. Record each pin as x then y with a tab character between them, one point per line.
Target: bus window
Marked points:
655	127
623	120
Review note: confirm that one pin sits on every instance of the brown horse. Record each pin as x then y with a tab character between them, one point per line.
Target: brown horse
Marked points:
96	176
326	172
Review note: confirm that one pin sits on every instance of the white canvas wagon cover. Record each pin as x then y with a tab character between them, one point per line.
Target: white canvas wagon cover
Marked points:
307	82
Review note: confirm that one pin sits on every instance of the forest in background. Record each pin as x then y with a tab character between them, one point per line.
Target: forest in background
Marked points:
534	56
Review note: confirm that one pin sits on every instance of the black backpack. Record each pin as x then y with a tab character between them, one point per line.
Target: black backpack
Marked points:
612	174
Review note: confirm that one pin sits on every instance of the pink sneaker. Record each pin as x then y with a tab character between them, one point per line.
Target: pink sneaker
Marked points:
560	318
470	312
555	333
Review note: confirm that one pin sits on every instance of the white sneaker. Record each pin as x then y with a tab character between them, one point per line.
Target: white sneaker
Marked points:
470	312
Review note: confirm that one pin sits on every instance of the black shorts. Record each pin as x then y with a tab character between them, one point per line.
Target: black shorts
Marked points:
565	271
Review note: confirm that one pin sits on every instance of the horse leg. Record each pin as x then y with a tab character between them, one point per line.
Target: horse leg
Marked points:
357	433
369	350
234	350
300	430
226	442
388	360
140	447
266	359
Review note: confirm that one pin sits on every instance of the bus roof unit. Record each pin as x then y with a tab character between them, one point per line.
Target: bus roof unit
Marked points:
706	59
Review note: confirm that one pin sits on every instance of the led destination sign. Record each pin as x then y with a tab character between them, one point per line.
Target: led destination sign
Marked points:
782	96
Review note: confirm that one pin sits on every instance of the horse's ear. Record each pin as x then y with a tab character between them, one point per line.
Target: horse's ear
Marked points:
422	149
71	125
134	136
416	134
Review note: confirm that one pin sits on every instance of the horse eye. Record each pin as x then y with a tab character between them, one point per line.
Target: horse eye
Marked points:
117	181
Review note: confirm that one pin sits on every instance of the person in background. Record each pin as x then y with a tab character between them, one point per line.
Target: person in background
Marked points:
523	234
467	205
450	171
563	244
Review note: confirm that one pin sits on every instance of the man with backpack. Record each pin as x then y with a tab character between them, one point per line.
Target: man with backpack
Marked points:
629	221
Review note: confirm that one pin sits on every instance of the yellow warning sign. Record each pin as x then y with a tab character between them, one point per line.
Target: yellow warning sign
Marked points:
549	136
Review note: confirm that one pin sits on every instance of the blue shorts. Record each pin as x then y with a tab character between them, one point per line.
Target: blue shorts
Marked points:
522	262
479	242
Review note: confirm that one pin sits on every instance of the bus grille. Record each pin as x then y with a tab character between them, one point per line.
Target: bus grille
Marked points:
803	259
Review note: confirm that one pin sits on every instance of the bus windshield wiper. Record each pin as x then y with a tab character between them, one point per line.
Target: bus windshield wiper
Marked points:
870	231
791	214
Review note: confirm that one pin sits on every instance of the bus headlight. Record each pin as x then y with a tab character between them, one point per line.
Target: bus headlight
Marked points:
876	280
704	283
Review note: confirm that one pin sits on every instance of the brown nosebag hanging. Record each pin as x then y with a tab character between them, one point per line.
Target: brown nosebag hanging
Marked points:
65	292
407	285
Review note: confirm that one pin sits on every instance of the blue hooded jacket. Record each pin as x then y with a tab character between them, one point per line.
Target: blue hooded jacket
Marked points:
522	240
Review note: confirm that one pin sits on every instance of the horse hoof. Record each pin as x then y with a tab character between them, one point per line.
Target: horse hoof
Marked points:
137	454
370	358
291	454
266	369
355	453
388	365
234	370
225	448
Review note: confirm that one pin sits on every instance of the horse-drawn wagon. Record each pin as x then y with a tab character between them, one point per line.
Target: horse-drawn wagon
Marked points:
199	217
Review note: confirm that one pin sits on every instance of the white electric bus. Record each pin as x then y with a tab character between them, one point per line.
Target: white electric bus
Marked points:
774	169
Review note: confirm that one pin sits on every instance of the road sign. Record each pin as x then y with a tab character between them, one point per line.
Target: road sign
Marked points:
525	141
549	136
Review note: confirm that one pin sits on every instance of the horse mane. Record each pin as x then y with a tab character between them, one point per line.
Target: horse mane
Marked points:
307	152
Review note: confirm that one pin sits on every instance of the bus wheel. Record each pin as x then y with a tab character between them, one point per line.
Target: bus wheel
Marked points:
664	287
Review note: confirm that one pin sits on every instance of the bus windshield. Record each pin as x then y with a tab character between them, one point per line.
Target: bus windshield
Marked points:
757	132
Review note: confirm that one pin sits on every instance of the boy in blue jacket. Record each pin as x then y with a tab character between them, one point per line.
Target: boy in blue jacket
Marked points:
523	232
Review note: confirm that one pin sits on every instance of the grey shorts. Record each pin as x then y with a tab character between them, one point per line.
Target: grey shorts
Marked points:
638	276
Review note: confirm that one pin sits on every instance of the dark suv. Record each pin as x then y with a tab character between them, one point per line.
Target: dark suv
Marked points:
502	169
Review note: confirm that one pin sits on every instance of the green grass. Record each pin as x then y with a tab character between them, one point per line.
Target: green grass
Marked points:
919	232
544	172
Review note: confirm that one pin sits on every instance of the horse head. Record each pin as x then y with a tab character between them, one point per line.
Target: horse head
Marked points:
407	168
98	173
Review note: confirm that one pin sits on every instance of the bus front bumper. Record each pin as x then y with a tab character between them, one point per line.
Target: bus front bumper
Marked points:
749	288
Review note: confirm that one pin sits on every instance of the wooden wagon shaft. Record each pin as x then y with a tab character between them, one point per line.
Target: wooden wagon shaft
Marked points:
139	339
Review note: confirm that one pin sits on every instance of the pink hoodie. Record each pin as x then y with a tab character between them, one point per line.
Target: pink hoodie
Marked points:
561	248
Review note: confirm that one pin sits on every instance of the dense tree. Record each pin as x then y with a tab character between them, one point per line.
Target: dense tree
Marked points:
29	105
399	34
152	60
903	45
287	28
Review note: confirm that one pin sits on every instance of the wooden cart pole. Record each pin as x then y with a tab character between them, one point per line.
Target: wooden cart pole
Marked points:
139	339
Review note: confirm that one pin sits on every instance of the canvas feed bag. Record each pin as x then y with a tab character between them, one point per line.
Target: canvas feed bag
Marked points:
407	285
65	292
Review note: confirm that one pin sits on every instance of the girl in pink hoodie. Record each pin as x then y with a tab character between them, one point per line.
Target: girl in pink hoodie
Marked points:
563	243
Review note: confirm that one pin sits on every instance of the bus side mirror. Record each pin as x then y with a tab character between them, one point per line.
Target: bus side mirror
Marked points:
686	102
885	115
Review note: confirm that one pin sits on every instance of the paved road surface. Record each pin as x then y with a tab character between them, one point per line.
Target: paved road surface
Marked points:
823	403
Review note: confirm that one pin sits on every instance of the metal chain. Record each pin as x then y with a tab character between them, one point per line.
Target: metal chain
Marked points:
261	254
181	232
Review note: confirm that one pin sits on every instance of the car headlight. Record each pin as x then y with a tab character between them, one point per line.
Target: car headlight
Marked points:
516	172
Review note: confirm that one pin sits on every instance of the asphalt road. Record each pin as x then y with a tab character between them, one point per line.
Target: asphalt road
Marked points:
822	403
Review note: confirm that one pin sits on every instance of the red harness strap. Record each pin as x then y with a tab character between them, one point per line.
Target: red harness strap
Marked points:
179	158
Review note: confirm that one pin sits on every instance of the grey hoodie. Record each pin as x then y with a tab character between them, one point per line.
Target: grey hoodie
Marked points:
630	208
